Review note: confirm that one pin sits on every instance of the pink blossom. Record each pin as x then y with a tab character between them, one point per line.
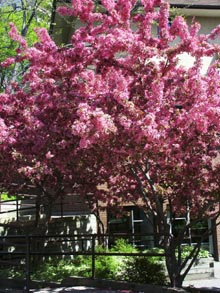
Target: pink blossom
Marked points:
214	33
62	10
8	62
14	34
179	28
3	130
49	155
109	4
45	38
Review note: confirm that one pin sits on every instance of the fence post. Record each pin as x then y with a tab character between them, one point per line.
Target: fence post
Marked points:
17	213
93	256
27	272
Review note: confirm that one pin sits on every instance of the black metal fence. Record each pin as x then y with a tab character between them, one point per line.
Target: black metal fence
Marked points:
22	248
26	206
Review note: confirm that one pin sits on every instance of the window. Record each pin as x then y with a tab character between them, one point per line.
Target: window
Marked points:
134	222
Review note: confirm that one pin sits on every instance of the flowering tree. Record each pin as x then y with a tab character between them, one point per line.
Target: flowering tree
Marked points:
116	108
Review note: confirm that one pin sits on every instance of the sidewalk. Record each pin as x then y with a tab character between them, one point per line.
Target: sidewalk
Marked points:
81	289
211	284
206	285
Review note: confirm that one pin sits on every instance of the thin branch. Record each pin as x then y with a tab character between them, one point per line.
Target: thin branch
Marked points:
197	247
154	192
52	18
143	191
192	259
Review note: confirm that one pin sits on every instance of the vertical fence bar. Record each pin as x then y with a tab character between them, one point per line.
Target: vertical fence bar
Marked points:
93	256
27	285
61	206
17	214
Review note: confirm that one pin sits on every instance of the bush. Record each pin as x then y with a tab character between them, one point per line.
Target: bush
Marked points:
4	196
132	268
54	270
144	269
203	253
110	267
106	267
121	245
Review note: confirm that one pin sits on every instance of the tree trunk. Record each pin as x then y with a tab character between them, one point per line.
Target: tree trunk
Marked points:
173	267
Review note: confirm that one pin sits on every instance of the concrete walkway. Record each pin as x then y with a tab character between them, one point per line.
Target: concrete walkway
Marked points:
211	284
74	289
81	289
207	285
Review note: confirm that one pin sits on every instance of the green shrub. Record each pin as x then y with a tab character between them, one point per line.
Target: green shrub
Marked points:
155	250
52	270
5	196
106	267
145	270
121	245
13	272
128	268
140	269
203	253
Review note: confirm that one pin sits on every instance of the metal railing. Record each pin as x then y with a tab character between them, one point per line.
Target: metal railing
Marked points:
81	244
20	207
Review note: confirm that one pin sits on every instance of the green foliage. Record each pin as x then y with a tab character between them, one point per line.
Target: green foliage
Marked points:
155	250
186	250
6	196
111	267
140	269
144	269
106	267
121	245
27	17
54	270
21	17
14	272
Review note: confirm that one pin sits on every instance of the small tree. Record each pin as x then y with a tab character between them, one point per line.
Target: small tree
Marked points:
116	108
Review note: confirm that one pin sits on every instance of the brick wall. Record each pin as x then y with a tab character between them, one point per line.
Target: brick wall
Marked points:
104	219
